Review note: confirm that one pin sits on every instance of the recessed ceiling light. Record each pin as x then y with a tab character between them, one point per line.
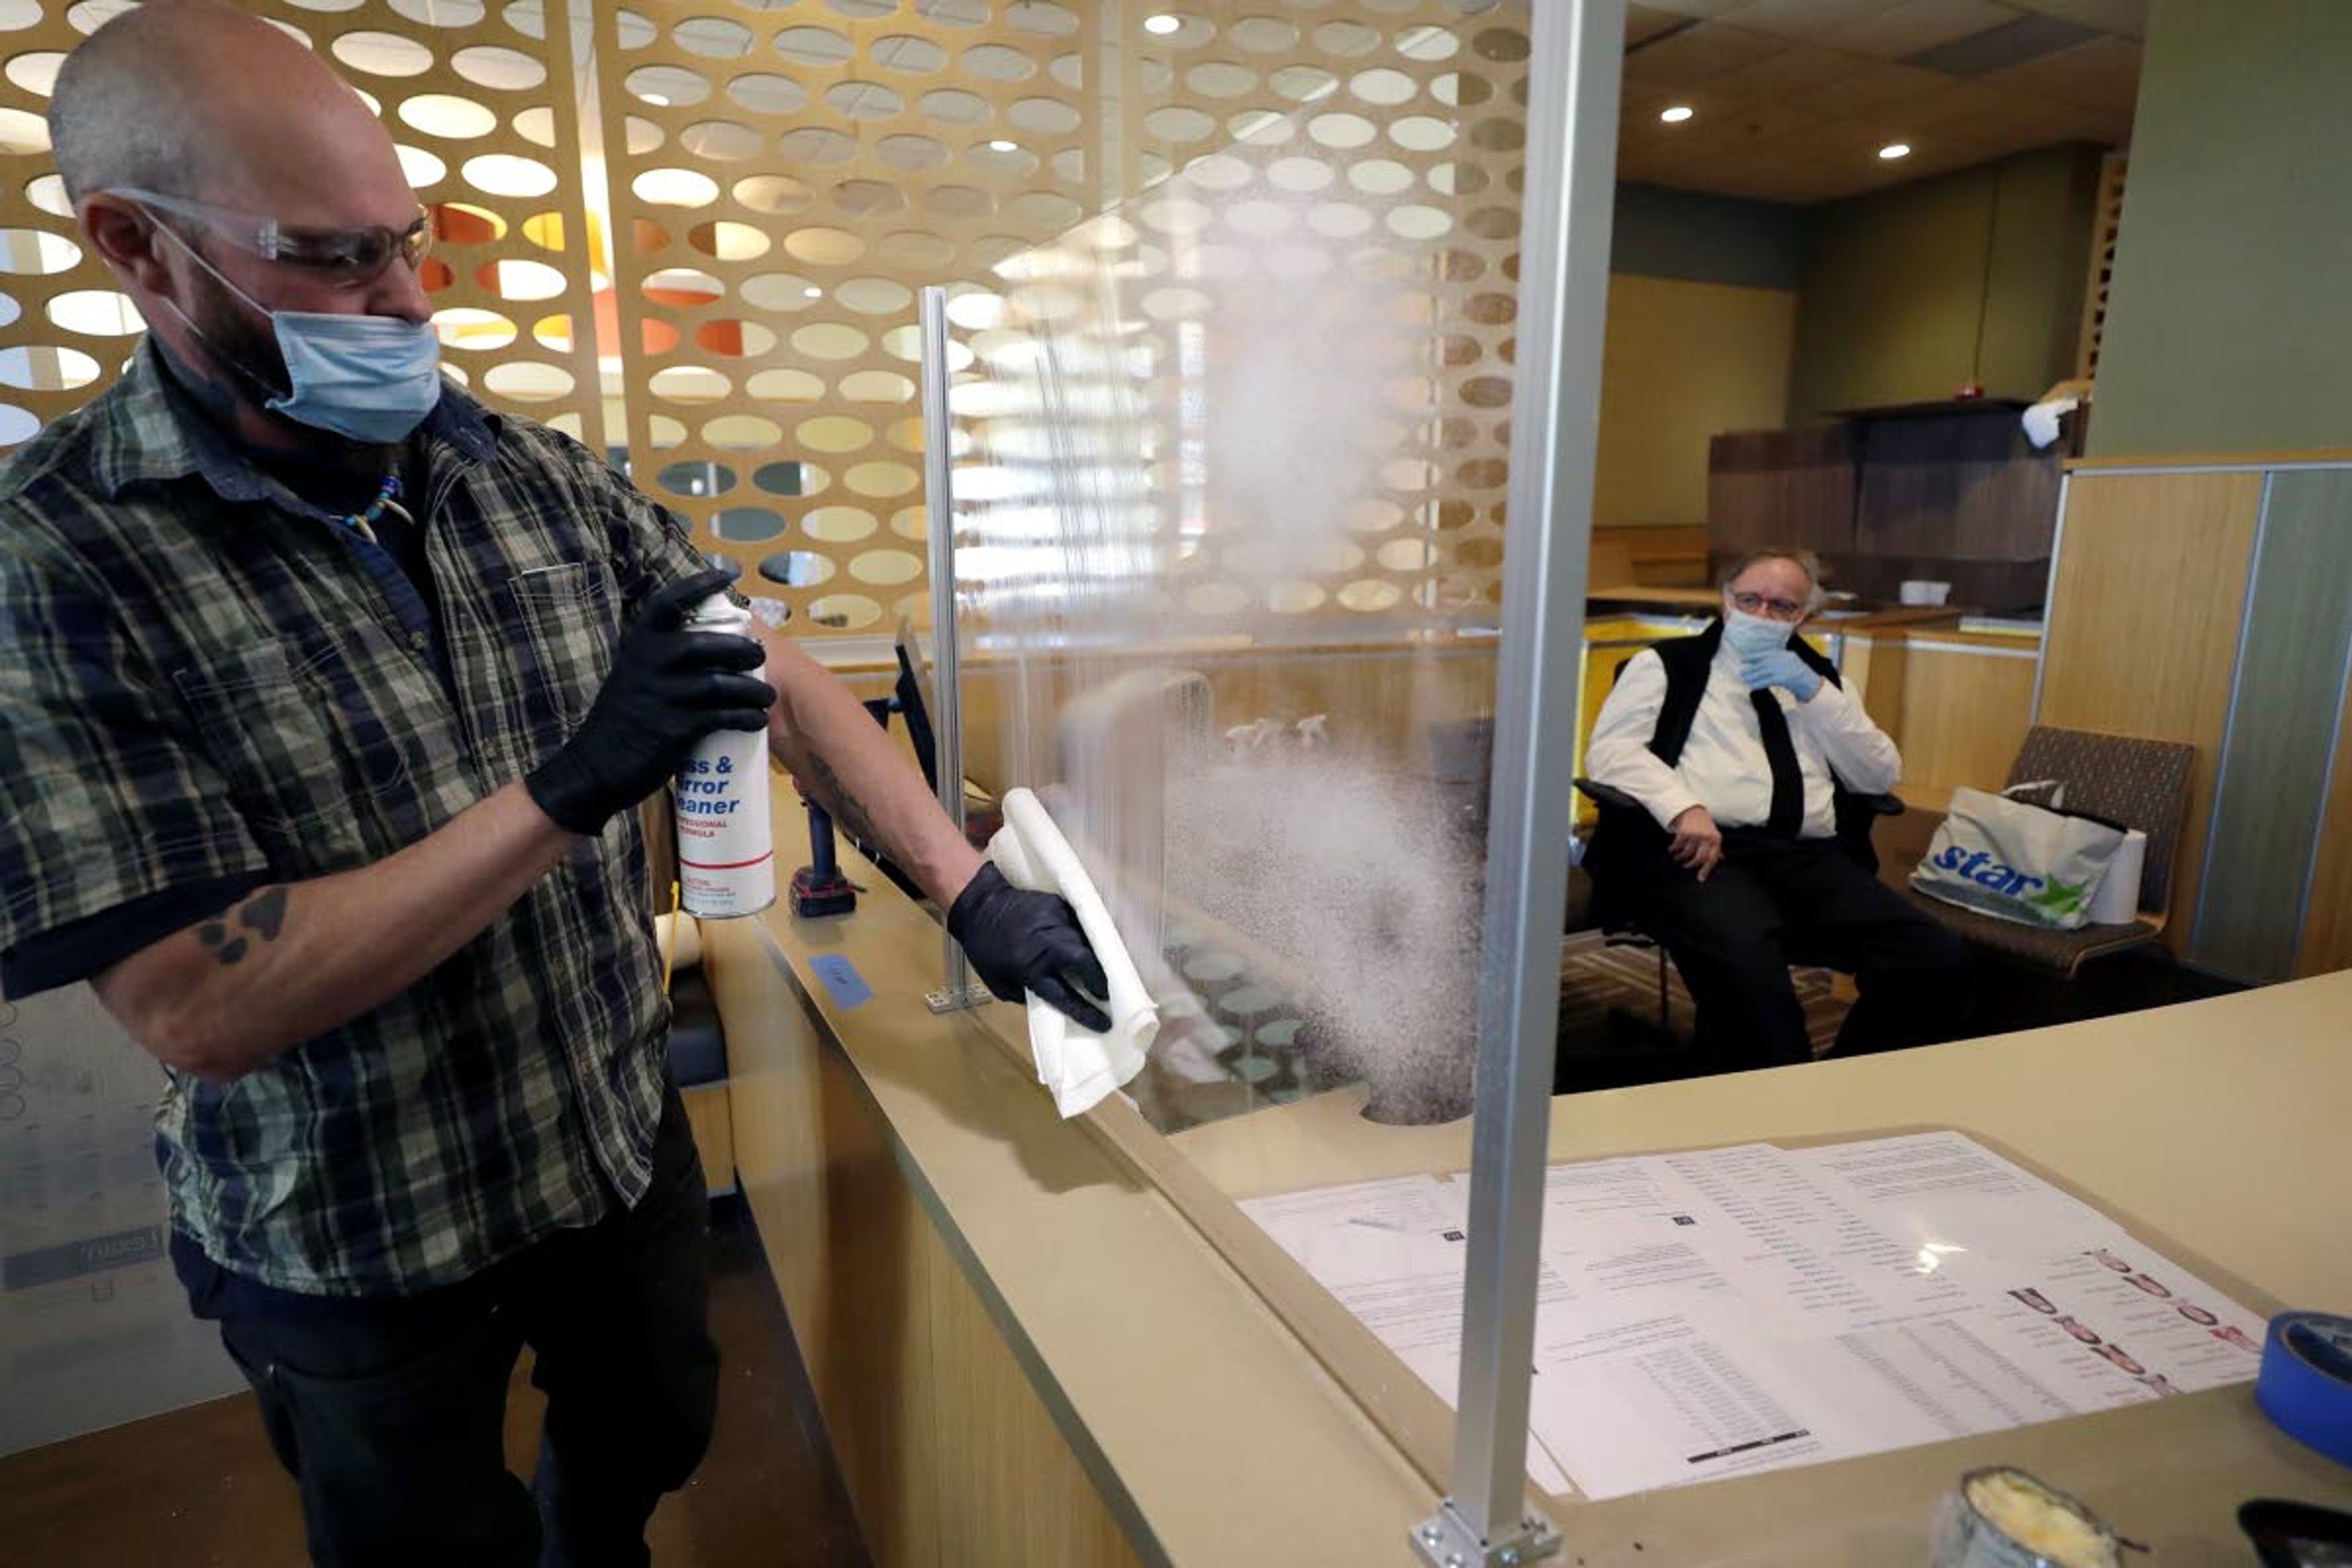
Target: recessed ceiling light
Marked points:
656	99
814	292
1163	23
1002	145
1895	150
1677	115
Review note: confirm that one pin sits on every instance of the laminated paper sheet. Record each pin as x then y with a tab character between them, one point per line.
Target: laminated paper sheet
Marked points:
1732	1311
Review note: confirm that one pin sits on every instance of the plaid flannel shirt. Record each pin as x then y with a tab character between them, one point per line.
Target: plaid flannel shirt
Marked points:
203	678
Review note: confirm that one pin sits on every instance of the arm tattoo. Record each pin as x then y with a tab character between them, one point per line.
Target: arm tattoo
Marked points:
264	914
835	796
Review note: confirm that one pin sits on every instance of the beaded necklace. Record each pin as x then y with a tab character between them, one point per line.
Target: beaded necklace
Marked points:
364	522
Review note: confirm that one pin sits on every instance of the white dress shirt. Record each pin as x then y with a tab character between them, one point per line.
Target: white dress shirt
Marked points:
1723	766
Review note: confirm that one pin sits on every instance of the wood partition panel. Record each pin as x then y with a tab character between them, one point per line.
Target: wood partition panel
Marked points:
1781	487
2327	929
1659	555
2145	619
2271	804
1609	563
1964	498
949	1454
1966	708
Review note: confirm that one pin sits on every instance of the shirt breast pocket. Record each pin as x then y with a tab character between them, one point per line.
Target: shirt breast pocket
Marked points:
267	714
566	623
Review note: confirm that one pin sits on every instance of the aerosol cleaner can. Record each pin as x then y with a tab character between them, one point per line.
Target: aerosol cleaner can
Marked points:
725	841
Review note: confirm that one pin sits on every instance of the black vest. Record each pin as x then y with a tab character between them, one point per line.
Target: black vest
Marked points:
1626	837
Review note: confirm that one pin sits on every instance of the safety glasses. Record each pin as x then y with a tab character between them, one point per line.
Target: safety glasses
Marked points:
341	258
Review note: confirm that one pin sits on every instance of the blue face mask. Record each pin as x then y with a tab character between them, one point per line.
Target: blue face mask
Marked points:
372	378
1745	634
369	378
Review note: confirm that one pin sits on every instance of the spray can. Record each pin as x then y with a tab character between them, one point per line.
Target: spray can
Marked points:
725	841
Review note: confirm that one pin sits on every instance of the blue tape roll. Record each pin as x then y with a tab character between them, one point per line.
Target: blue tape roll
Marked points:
2305	1382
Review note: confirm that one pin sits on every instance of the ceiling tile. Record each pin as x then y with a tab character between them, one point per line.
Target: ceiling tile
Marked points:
1801	181
1654	169
1643	23
1703	10
1642	99
1772	122
1716	181
1647	138
1849	144
1707	50
1750	125
2103	73
1806	18
1794	97
1974	108
1877	85
2128	17
1941	155
1794	72
2078	124
1921	25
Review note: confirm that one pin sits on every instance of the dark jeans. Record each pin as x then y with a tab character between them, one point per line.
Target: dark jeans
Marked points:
390	1413
1778	901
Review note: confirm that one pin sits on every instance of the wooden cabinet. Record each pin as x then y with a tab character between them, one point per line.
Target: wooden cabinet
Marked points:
1790	488
1944	493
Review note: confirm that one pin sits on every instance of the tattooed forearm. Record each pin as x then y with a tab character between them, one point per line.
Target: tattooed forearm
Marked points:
263	915
825	784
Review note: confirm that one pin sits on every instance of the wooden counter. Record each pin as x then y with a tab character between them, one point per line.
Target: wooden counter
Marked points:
1023	1355
1026	1354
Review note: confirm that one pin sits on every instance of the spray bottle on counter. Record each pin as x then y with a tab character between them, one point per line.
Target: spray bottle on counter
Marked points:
726	842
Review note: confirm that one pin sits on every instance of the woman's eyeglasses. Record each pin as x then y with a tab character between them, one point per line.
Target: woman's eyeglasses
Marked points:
342	258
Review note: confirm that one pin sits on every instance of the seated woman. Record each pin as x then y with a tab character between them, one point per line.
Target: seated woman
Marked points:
1739	746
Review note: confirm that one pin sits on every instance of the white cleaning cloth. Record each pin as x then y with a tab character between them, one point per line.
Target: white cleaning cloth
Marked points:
2040	421
1076	1063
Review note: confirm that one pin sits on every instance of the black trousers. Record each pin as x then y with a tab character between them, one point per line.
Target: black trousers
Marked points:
390	1413
1778	901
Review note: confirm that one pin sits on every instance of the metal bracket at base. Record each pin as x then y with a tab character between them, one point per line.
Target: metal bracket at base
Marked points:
959	999
1446	1540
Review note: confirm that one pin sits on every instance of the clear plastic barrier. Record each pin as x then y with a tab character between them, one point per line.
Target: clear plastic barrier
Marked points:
1229	464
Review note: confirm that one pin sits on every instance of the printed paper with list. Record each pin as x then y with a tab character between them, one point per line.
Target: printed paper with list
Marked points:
1391	1253
1752	1308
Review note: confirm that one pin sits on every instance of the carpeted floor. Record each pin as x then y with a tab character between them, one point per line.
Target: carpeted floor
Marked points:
1596	978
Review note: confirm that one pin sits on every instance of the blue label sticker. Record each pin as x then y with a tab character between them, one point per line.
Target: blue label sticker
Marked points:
846	987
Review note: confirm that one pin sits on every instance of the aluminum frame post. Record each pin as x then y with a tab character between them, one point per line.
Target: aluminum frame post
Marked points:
956	989
1578	51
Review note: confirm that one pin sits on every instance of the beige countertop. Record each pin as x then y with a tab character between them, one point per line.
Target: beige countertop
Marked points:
2207	1126
2213	1121
1219	1435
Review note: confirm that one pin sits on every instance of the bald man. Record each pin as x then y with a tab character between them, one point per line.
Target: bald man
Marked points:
325	698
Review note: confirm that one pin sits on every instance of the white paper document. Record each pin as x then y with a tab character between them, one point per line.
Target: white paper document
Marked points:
1752	1308
1391	1253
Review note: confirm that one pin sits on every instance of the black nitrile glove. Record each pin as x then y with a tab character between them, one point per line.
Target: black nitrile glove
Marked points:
1020	940
669	688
